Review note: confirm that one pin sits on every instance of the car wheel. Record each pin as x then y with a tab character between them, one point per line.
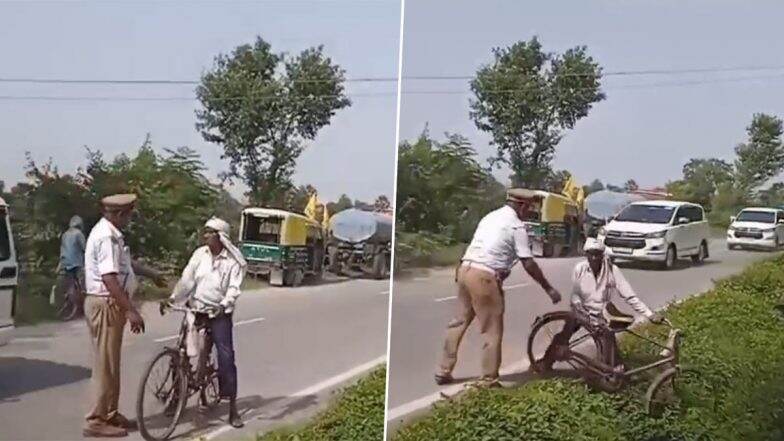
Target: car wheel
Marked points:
669	259
701	255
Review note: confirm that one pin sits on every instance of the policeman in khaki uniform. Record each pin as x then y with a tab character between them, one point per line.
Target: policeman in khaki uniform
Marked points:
110	280
501	238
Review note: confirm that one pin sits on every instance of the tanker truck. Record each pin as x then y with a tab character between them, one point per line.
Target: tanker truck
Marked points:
359	244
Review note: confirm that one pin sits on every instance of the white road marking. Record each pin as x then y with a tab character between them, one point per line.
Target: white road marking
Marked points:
316	388
519	285
239	323
444	299
245	322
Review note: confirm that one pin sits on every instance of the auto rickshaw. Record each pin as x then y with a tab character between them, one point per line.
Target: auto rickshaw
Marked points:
554	226
285	246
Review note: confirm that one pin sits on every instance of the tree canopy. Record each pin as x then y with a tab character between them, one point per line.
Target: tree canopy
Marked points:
526	98
262	107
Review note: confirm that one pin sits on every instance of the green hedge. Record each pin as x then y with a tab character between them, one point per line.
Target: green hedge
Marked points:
357	414
733	339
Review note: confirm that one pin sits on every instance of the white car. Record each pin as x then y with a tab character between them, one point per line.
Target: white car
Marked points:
8	276
756	228
657	231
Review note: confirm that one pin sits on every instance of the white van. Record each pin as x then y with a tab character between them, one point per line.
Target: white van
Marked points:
756	228
658	231
8	276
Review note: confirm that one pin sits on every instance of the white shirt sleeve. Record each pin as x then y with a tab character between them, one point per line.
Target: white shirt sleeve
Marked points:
522	248
625	290
107	254
187	282
576	300
233	291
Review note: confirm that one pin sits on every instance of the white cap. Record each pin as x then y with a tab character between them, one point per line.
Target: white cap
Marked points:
592	244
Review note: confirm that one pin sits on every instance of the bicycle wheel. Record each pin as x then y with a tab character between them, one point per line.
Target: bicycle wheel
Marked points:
163	392
211	387
673	389
546	328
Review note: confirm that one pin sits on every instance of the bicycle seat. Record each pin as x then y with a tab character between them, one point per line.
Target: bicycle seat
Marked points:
617	320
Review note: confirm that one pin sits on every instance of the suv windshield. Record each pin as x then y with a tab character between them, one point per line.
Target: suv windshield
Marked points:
647	214
765	217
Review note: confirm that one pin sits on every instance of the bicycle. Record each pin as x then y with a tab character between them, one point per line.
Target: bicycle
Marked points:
667	390
180	380
73	299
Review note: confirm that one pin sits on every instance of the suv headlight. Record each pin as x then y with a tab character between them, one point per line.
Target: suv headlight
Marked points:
602	231
656	235
769	230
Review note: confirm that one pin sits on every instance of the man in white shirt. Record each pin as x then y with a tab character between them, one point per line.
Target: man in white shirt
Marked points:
594	280
211	283
500	240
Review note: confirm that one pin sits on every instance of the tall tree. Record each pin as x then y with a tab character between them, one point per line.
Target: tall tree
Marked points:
382	203
442	188
761	157
262	108
527	98
631	185
344	203
594	186
701	180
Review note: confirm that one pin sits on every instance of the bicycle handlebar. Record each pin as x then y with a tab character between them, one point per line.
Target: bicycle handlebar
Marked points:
163	306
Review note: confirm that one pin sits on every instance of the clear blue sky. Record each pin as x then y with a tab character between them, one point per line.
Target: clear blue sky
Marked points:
642	133
178	40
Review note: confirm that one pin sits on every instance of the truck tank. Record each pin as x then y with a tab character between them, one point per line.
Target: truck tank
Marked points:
355	226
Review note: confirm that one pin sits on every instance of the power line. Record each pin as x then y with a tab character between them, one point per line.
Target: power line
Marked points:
180	98
32	80
382	94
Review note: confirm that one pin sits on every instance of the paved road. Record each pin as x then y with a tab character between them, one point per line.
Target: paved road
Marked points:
421	308
294	346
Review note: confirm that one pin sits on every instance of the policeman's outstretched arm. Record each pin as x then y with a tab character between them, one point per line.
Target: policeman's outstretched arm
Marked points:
533	270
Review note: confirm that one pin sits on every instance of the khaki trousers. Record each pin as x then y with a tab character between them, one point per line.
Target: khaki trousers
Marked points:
106	322
479	295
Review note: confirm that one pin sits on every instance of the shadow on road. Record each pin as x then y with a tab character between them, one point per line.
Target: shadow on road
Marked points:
19	375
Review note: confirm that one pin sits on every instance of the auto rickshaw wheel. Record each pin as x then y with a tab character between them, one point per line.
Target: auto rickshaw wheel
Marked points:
293	278
379	265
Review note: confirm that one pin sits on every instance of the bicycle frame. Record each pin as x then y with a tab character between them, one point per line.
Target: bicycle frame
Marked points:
194	378
602	369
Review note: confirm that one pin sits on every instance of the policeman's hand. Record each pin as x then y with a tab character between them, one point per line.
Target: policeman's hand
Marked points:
136	321
657	318
555	296
163	305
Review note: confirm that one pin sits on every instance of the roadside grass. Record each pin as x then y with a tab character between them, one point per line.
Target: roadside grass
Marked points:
733	340
357	413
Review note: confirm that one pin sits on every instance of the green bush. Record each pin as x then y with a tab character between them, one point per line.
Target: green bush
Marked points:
419	249
733	339
357	414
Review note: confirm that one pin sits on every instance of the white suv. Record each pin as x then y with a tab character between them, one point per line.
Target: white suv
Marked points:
657	231
8	276
756	228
